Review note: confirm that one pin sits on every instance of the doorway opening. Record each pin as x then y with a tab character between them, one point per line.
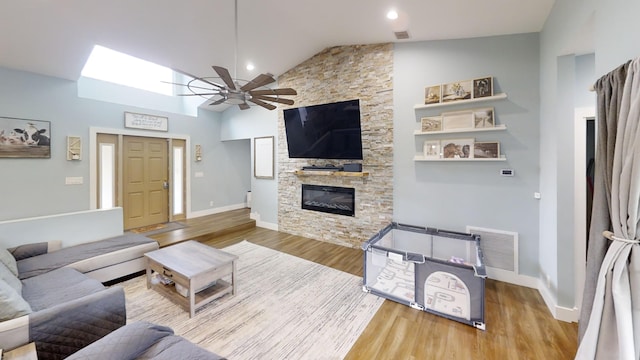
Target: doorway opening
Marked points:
145	175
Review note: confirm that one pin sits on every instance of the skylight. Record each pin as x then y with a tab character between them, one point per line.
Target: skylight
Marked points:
112	66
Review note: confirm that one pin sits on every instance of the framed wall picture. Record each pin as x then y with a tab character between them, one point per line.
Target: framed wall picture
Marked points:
457	148
455	120
460	90
432	123
24	138
431	149
263	157
432	94
483	87
483	118
486	150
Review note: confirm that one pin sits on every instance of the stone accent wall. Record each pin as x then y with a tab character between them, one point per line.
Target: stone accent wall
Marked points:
341	73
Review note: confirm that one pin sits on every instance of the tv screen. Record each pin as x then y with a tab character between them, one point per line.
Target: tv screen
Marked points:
327	131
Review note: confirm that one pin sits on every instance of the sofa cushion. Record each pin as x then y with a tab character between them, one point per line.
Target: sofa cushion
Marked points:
83	254
126	342
10	278
28	250
58	286
12	305
176	347
8	260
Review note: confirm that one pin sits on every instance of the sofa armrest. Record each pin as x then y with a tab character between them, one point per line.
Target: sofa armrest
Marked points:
34	249
61	330
14	333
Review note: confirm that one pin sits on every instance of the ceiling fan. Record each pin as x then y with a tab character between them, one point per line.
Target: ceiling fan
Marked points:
237	91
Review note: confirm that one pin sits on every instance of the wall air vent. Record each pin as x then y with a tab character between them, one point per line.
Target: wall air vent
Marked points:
401	35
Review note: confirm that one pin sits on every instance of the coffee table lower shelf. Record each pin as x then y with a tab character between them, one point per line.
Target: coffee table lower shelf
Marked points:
202	297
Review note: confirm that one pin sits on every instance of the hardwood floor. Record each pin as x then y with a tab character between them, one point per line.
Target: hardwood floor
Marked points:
519	325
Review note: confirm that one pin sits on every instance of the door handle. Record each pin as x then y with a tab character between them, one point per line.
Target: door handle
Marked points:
165	184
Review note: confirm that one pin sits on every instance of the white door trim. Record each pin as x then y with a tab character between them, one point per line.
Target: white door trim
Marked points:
93	159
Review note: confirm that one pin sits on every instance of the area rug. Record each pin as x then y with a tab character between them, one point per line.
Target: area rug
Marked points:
285	308
158	228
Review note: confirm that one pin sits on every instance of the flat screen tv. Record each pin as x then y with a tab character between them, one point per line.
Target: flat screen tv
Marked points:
327	131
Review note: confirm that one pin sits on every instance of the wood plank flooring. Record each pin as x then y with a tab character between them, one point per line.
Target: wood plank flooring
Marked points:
519	325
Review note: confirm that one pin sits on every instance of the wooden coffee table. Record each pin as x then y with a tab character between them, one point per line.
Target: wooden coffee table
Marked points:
196	267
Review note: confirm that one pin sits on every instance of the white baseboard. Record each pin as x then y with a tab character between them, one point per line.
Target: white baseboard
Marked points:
263	224
559	312
195	214
512	278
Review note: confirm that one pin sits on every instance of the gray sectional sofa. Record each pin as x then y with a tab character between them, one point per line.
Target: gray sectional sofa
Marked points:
55	297
143	340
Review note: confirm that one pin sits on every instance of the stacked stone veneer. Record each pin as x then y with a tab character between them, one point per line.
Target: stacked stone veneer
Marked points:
341	73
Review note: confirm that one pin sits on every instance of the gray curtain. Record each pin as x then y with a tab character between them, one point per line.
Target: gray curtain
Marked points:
609	92
613	328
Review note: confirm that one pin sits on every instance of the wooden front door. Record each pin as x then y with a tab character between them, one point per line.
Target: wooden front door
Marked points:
145	186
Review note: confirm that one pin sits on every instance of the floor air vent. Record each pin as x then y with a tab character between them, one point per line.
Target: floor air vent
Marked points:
500	249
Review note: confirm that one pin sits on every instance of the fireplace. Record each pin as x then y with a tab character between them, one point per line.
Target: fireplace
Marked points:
329	199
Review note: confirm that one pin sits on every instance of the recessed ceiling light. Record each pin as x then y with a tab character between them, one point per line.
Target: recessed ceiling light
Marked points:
250	66
392	15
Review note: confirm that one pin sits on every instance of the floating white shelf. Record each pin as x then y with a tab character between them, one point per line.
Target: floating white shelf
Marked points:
461	102
495	128
422	158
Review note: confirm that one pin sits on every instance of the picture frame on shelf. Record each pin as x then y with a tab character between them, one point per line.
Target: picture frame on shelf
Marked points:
486	150
432	94
483	87
457	148
484	118
457	120
455	91
431	123
431	149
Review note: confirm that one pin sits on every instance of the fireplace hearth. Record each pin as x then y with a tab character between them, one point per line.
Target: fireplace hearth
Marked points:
329	199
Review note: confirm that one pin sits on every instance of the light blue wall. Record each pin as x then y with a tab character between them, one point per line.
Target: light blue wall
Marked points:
614	42
456	194
248	124
33	187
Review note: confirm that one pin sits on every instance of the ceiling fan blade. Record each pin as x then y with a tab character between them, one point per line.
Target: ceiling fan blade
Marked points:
260	80
225	76
263	104
274	99
284	91
199	94
187	85
243	106
218	102
197	78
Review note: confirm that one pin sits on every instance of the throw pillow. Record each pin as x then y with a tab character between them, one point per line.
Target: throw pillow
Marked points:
9	278
28	250
9	261
12	305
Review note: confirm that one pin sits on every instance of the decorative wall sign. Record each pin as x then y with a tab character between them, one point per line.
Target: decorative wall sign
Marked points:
24	138
431	149
146	122
263	164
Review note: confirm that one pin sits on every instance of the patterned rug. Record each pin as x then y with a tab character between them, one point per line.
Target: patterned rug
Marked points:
285	308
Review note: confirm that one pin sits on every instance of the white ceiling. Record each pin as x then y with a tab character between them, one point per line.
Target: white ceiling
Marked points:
55	37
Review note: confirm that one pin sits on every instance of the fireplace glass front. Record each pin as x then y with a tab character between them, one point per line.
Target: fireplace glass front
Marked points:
329	199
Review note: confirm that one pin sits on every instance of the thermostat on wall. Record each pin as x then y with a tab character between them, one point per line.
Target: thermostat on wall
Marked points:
506	172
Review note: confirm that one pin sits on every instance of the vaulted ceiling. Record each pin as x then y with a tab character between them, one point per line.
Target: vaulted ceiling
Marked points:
55	37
